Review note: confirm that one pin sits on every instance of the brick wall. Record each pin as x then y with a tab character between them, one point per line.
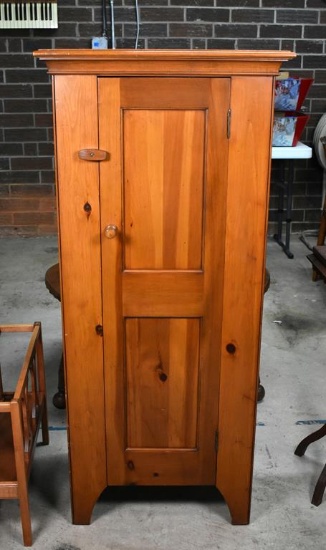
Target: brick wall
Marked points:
26	148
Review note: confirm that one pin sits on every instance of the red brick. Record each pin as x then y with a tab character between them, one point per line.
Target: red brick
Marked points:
26	190
47	205
4	190
47	229
34	218
5	218
19	205
27	163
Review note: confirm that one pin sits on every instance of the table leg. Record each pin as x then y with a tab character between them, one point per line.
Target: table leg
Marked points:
289	208
59	399
315	436
300	451
285	185
319	489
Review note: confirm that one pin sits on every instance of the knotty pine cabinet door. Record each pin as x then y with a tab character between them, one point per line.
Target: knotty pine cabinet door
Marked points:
162	201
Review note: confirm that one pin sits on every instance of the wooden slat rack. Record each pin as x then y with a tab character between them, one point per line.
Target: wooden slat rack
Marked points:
22	412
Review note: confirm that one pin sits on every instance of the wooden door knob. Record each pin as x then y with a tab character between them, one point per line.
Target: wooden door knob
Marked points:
111	231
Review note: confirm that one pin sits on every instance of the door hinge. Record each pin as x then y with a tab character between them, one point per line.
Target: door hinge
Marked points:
216	441
228	124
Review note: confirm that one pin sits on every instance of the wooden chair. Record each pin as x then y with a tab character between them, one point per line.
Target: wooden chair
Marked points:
300	451
318	260
22	412
318	256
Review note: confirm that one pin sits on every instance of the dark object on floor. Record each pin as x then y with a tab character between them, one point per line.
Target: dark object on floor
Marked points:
22	412
300	451
52	283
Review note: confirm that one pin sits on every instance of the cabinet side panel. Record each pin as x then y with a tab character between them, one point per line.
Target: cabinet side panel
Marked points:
247	202
77	181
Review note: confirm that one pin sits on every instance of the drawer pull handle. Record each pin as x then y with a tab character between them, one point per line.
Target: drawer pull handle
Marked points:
93	154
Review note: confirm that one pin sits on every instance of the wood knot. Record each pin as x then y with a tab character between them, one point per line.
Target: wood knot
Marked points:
130	465
87	208
163	377
230	348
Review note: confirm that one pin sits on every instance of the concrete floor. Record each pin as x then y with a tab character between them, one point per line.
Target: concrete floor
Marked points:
293	373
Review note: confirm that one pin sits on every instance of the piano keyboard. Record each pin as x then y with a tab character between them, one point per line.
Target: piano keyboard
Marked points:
28	15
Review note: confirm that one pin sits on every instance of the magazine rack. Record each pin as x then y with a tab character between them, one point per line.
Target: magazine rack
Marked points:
22	412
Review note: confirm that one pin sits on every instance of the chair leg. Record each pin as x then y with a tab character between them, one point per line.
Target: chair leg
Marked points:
301	448
45	425
42	390
21	472
59	399
319	489
25	516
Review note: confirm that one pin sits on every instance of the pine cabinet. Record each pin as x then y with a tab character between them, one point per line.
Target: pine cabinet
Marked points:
162	166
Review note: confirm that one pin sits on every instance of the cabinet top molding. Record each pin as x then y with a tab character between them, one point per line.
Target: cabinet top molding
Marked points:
164	62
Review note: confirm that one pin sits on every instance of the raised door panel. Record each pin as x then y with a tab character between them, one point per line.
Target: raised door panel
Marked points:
162	383
165	190
163	222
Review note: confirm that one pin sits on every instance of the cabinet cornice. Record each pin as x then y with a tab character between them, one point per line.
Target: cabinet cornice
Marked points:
164	62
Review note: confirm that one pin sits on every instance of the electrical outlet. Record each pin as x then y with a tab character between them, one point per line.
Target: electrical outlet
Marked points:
99	43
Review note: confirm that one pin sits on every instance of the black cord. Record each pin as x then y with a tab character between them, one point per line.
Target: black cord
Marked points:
104	19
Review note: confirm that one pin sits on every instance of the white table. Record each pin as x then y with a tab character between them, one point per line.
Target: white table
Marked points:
288	155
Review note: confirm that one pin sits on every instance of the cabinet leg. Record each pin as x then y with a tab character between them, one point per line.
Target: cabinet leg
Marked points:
238	501
82	509
240	513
